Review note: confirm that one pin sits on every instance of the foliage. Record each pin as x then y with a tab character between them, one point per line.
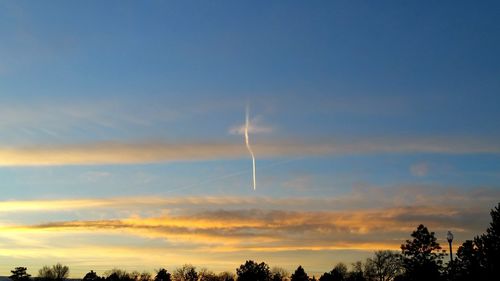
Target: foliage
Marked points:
163	275
422	256
91	276
252	271
20	274
299	275
338	273
145	276
467	264
489	245
480	259
226	276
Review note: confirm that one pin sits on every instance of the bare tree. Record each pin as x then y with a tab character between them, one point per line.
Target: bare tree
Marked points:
227	276
384	266
185	273
145	276
207	275
279	274
57	272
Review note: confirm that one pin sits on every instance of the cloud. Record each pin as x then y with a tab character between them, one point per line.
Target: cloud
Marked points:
274	230
154	152
209	229
365	219
366	198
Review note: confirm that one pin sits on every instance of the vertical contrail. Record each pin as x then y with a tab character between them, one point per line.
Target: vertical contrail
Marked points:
247	124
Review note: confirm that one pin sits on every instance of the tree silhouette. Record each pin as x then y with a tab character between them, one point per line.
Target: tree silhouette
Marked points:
135	275
338	273
91	276
162	275
46	273
252	271
467	265
384	266
20	274
186	273
118	275
226	276
299	275
145	276
326	277
207	275
357	274
480	259
489	246
422	256
279	274
57	272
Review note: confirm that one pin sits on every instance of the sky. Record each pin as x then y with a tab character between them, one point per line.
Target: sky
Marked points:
122	145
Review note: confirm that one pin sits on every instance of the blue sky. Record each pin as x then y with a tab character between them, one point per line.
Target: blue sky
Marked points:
379	107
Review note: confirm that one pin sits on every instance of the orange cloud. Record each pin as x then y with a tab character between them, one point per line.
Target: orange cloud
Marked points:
265	230
209	229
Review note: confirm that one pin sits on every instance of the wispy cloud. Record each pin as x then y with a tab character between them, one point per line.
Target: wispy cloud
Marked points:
357	212
365	219
266	230
153	152
359	199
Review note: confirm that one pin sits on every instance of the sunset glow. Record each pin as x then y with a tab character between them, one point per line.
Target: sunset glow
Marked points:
130	130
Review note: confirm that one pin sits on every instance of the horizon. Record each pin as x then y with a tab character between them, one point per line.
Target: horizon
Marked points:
156	134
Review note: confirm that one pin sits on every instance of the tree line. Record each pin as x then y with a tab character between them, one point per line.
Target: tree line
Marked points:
421	258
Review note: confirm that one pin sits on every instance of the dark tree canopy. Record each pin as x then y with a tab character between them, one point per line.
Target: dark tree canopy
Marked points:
91	276
490	245
20	274
357	273
252	271
118	275
480	259
467	262
279	274
162	275
300	275
338	273
422	256
226	276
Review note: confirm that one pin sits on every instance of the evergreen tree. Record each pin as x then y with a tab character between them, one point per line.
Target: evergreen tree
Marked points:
20	274
300	275
91	276
162	275
422	256
252	271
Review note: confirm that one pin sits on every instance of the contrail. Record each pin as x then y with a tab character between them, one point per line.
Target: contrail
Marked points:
247	124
